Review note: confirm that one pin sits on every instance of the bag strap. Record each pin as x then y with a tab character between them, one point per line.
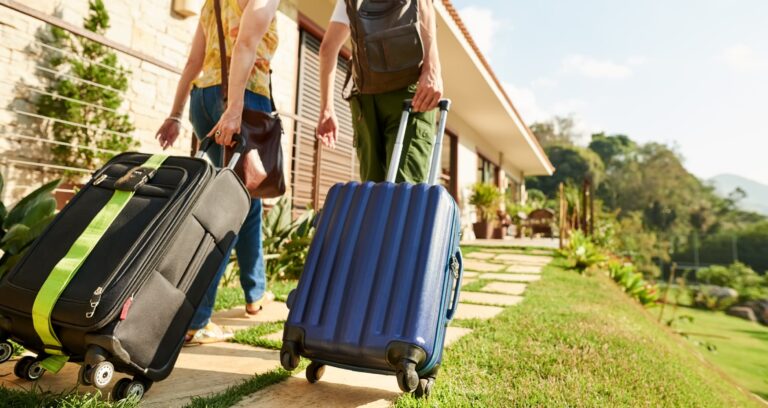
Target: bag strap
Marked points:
224	61
68	266
222	51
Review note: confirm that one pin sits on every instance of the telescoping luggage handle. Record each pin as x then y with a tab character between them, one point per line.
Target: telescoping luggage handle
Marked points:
434	168
208	141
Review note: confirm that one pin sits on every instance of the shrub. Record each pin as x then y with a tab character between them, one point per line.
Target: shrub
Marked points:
286	242
97	64
487	198
20	226
582	253
739	277
632	282
714	297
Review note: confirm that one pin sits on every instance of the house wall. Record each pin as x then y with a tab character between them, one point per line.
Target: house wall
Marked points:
147	26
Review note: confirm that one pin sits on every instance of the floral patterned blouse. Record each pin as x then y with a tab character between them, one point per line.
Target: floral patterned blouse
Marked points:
230	16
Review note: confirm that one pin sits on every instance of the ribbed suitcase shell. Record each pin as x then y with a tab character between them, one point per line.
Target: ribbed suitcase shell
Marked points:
162	251
378	271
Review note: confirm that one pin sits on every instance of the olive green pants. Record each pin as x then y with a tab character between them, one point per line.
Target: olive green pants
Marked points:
376	119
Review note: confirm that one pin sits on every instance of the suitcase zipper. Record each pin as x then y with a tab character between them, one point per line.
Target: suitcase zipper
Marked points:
96	297
454	271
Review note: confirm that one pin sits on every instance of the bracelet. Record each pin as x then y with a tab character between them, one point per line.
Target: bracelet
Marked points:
175	119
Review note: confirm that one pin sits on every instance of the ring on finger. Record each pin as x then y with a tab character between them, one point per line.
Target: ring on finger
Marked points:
218	133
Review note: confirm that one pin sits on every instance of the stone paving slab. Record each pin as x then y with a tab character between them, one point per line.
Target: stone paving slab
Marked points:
276	336
490	298
506	288
520	258
236	318
480	255
510	277
210	369
338	388
480	266
467	281
467	311
524	269
469	274
199	371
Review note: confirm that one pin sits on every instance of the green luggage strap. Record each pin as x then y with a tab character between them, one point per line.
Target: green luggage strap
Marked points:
68	266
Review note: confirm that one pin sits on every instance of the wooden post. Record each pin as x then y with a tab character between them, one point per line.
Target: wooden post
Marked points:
672	272
563	215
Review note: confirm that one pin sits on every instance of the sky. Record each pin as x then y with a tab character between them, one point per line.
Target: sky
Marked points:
689	73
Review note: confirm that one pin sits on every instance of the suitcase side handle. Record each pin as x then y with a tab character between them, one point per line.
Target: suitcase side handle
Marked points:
208	141
434	170
458	274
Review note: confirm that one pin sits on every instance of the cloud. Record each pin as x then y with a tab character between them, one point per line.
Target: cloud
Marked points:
544	83
482	25
595	68
637	60
532	110
743	59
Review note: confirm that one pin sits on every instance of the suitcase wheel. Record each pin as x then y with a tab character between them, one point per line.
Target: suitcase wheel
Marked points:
28	368
6	351
98	375
407	378
127	388
315	372
424	389
289	358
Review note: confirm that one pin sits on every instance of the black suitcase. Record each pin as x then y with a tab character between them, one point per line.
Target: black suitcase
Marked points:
130	302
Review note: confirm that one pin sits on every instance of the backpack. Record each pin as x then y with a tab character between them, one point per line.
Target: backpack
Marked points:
387	50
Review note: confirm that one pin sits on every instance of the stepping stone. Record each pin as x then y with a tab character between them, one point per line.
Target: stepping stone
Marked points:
236	319
469	274
199	370
524	269
468	311
510	277
524	259
490	298
467	281
210	369
453	334
481	266
505	288
338	388
480	255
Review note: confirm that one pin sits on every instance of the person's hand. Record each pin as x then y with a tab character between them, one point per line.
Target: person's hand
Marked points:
168	133
328	128
428	91
228	126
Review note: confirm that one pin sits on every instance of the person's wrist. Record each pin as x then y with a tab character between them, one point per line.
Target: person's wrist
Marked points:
236	104
174	118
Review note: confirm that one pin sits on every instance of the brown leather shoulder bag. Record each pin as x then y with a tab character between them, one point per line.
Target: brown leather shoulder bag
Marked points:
261	165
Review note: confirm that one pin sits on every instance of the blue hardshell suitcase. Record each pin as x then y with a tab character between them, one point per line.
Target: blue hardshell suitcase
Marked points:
381	280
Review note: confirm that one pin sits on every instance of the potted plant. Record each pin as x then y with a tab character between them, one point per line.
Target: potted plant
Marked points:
486	199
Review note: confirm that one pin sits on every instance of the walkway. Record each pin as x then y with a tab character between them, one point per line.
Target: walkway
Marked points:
494	278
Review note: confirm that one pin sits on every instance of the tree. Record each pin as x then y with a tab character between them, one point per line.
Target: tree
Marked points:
610	148
103	129
557	131
573	165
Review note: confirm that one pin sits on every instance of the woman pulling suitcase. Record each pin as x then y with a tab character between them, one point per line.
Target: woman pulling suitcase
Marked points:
250	33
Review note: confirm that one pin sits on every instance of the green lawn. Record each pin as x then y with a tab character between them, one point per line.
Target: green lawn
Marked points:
576	341
740	346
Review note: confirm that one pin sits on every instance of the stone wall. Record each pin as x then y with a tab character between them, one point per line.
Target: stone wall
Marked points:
148	26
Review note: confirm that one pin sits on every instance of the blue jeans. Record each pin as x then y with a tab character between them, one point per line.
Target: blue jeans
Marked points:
205	111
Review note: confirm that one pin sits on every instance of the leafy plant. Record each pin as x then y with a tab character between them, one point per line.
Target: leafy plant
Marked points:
24	223
286	242
99	90
741	278
631	281
582	253
486	198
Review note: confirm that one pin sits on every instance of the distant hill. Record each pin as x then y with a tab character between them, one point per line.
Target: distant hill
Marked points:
757	193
